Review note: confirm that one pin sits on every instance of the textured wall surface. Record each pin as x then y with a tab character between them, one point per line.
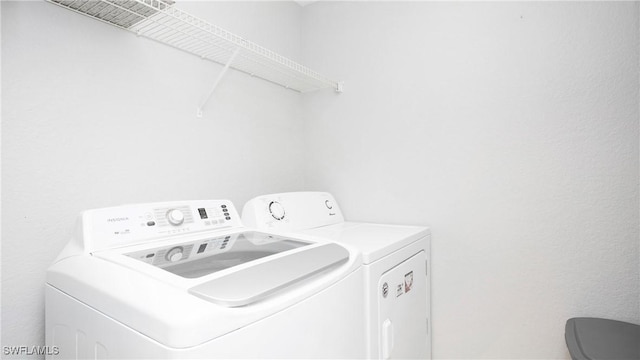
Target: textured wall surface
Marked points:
509	128
94	116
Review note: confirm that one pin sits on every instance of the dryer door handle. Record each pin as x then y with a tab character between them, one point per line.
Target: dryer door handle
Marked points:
387	339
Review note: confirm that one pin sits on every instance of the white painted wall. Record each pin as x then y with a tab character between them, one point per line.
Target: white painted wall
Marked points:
509	128
93	116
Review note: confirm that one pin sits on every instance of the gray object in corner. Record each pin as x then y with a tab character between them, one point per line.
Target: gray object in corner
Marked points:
600	339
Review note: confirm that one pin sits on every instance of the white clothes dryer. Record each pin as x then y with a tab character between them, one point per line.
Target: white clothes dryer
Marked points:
187	280
395	258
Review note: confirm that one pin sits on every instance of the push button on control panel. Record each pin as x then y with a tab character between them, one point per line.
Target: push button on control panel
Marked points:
225	212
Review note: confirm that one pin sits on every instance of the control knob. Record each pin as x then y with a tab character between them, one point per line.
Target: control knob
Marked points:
328	204
175	254
277	210
175	217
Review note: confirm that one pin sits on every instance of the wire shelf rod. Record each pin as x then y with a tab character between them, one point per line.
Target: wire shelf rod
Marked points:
215	84
279	72
158	20
238	40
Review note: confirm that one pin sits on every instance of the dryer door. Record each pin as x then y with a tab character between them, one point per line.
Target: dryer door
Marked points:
402	310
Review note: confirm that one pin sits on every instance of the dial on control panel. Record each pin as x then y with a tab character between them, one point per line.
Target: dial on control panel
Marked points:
175	217
328	204
277	210
175	254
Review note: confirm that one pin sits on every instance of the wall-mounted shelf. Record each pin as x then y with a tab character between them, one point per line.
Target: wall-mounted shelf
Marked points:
161	21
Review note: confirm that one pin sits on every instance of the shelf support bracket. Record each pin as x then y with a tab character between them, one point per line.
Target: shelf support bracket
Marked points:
215	84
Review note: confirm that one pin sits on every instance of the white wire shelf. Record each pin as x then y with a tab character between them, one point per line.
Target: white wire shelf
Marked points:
160	21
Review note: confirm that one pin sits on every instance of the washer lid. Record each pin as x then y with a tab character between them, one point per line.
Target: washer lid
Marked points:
205	256
373	240
259	281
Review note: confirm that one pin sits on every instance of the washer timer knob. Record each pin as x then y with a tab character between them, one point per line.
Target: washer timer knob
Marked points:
277	210
175	254
175	217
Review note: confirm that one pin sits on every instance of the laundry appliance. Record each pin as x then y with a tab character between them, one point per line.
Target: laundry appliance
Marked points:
396	261
188	280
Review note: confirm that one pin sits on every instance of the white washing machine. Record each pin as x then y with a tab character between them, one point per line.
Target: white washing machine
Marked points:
187	280
396	263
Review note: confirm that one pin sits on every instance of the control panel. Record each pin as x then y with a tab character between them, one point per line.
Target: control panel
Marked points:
292	211
117	226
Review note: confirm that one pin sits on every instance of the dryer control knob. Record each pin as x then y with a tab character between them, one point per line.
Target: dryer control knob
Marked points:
174	254
277	210
175	217
328	204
